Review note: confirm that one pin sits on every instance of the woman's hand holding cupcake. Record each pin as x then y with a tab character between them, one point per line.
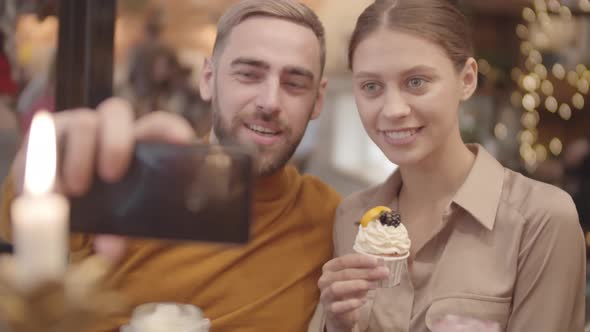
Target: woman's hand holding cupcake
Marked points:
344	285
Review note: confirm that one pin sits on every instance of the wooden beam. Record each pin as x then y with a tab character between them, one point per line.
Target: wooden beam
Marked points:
85	52
100	36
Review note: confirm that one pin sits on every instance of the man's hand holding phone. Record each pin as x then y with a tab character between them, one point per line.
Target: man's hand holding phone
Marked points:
101	142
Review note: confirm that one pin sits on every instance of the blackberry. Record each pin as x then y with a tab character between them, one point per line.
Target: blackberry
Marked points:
390	219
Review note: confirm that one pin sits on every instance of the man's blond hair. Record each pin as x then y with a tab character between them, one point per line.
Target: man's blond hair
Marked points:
289	10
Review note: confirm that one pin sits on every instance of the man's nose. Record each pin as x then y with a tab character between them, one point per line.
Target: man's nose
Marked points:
268	97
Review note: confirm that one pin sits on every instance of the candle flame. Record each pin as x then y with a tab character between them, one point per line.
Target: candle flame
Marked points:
41	155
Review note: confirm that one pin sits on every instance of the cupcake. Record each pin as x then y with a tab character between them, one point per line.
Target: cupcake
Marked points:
381	234
160	317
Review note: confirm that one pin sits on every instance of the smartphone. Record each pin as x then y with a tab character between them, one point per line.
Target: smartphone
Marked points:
198	192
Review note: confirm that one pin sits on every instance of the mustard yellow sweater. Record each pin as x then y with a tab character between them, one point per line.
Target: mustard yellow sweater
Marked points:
267	285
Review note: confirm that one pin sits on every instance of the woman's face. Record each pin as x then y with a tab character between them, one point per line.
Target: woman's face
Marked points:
408	93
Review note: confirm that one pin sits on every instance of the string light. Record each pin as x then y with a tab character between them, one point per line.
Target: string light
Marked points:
522	31
528	153
541	152
583	86
565	111
534	78
551	104
572	78
526	47
541	71
527	137
528	102
501	131
565	12
555	146
558	71
547	87
554	6
541	6
484	66
544	19
578	101
530	83
530	64
536	56
529	120
529	15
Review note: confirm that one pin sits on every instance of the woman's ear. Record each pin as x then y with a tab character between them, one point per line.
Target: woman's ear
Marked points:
468	79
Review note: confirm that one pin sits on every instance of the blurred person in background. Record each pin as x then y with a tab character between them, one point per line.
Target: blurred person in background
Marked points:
141	59
8	87
38	94
158	81
9	126
9	138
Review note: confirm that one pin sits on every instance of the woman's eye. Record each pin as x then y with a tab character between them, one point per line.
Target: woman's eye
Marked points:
372	87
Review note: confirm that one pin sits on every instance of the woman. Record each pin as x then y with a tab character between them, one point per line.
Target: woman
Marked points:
487	243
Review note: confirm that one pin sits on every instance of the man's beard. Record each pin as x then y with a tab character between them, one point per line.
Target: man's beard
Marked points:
268	160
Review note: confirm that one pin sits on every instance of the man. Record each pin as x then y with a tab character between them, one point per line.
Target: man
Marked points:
265	83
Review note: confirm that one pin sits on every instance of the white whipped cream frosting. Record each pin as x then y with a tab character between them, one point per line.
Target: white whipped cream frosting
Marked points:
378	239
167	317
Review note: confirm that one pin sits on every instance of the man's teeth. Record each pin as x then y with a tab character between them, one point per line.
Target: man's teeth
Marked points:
262	130
401	134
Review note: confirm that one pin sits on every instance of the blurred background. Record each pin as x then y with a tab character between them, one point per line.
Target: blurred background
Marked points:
531	110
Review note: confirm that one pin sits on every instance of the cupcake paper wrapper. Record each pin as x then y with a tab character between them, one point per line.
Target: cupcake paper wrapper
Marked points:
396	267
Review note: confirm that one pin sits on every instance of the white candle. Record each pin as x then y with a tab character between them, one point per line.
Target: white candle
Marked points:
40	216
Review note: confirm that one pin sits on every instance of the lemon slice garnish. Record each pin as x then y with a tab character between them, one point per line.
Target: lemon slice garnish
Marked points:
373	214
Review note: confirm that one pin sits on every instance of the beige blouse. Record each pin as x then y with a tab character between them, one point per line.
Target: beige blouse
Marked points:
510	249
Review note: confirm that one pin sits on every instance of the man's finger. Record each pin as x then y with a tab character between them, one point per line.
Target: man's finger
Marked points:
116	138
77	131
166	127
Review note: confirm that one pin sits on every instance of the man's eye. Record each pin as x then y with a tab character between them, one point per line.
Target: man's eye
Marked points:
294	85
247	75
416	83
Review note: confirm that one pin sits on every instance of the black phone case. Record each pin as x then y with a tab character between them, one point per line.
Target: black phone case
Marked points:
188	193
